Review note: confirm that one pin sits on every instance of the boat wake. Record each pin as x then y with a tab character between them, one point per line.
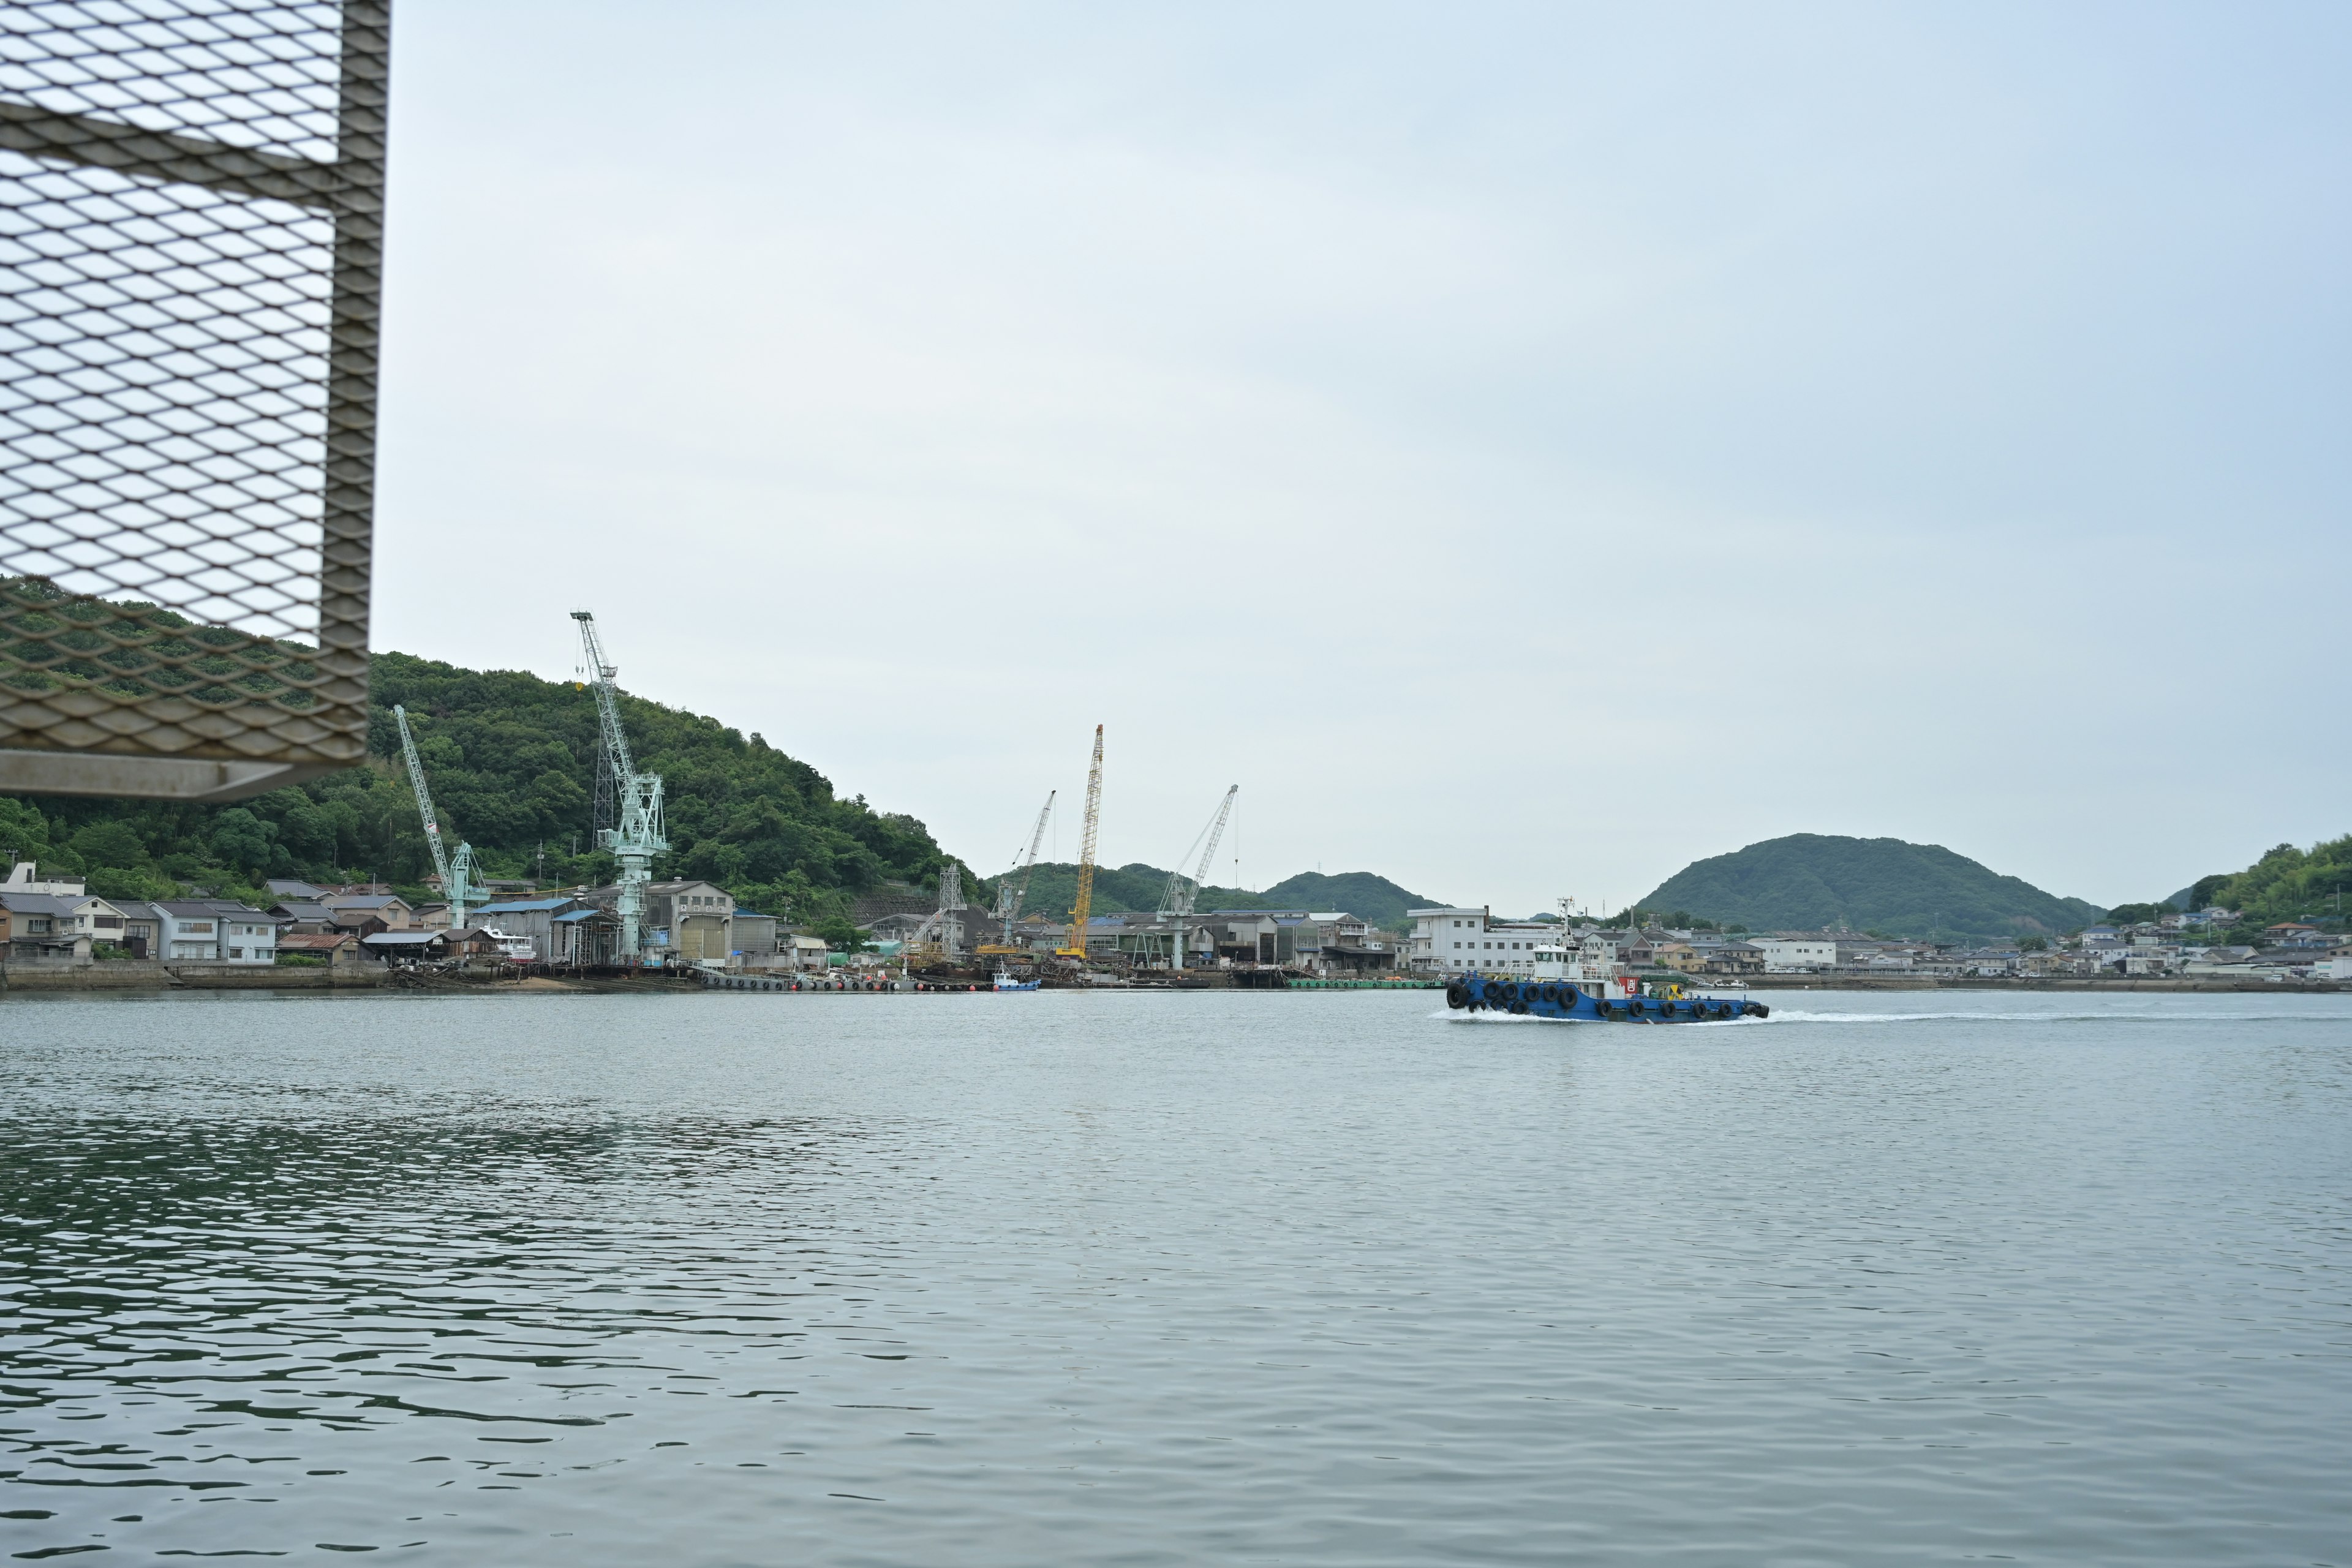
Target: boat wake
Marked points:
1787	1015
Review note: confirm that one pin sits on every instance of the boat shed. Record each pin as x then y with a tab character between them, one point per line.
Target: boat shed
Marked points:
532	918
407	946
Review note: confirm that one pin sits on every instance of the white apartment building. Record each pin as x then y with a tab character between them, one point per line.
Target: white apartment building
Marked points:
1447	941
1795	955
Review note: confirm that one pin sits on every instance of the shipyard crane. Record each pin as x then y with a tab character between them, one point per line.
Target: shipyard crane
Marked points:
920	947
457	876
1077	944
1009	893
1176	900
636	837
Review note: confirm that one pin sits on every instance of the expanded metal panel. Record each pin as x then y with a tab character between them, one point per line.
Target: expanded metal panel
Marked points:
191	244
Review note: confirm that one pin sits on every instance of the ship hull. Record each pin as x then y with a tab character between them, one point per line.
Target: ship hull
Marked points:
1567	1001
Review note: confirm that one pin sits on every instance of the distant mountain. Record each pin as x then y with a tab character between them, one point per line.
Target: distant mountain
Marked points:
1810	882
1128	889
1376	899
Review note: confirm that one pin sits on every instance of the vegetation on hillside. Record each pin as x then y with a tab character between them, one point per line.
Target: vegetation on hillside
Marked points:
511	759
1811	881
2286	884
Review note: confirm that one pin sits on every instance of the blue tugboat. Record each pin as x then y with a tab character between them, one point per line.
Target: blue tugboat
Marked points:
1566	999
1560	986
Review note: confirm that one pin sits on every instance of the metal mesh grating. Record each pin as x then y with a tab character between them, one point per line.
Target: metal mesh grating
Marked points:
191	229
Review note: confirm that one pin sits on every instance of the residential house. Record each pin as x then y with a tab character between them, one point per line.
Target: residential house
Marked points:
46	927
216	931
304	915
143	929
352	911
60	925
337	947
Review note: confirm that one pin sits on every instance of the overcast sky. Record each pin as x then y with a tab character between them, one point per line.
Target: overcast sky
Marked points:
1526	448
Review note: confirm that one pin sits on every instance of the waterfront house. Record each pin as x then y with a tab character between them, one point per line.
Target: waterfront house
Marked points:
216	931
41	926
337	947
60	925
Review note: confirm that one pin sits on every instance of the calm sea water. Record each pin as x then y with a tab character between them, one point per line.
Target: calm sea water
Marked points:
1133	1280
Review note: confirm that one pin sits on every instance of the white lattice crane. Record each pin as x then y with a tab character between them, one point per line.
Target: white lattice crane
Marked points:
456	873
637	838
1176	900
1013	887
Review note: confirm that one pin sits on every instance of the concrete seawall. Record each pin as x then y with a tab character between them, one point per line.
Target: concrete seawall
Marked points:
2219	983
151	974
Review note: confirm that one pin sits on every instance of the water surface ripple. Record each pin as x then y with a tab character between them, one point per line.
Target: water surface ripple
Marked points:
1129	1280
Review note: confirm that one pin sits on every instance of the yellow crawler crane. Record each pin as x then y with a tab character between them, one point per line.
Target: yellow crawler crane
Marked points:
1078	945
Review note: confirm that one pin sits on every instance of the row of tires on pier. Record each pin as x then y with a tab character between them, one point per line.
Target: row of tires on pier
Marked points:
770	982
1563	999
829	982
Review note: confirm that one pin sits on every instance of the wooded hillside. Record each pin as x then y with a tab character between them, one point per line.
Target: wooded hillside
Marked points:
511	759
1811	881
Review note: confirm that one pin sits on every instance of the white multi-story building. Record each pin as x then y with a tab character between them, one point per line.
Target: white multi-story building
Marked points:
1448	942
216	931
1795	954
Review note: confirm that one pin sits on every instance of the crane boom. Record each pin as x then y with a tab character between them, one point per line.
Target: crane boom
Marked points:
1077	946
1010	893
637	838
456	877
1011	911
1176	900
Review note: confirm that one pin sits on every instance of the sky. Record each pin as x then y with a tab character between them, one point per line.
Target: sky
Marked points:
1527	448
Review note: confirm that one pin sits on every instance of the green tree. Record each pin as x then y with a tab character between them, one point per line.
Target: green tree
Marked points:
241	840
839	934
112	843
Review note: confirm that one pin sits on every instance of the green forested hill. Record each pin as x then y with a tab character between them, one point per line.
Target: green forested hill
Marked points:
1128	889
1811	881
2287	884
510	760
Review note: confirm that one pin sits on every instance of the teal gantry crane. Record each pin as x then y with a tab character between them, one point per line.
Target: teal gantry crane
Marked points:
457	875
637	838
